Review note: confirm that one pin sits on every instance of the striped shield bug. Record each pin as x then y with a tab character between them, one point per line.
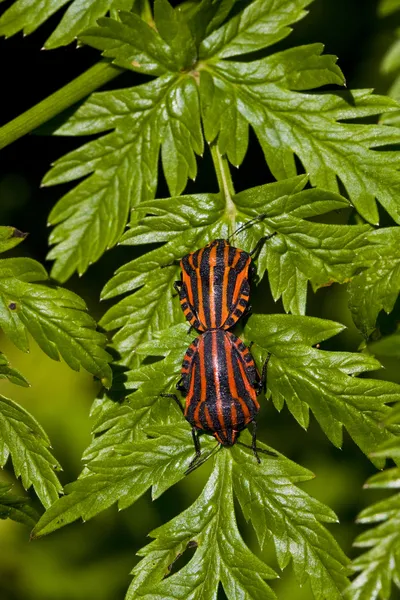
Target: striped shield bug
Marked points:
221	383
214	289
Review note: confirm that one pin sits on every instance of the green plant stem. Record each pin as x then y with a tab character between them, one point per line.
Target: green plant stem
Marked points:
225	183
68	95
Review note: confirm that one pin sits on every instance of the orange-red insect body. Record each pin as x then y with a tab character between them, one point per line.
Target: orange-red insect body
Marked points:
214	289
221	383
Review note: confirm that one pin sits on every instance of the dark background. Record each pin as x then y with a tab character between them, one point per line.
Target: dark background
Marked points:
93	560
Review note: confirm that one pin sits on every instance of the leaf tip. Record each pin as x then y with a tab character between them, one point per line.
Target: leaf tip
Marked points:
19	234
106	381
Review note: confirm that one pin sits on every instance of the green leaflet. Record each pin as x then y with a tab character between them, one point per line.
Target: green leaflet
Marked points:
388	345
13	375
259	25
128	421
380	563
124	476
305	378
10	237
377	287
28	15
289	123
15	507
301	251
285	514
279	510
387	7
164	116
22	438
163	113
221	553
391	61
56	318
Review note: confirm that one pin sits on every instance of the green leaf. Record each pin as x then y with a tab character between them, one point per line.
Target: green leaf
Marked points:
28	15
302	251
387	7
22	438
56	318
377	287
305	377
126	421
391	60
10	237
80	15
380	565
132	44
259	25
7	372
17	508
270	94
172	26
123	476
221	554
284	513
289	123
206	16
91	218
388	345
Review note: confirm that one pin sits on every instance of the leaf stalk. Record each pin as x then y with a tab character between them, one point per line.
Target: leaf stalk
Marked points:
75	90
225	183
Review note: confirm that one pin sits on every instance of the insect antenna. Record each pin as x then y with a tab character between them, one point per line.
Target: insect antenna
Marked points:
247	224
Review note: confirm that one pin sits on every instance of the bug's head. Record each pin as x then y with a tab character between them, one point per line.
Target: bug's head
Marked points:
219	243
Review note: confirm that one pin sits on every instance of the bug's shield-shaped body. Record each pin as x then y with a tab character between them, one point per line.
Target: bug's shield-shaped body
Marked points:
214	290
221	383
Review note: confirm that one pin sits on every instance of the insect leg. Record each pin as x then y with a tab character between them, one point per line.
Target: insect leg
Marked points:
254	442
260	243
177	287
176	400
196	441
264	372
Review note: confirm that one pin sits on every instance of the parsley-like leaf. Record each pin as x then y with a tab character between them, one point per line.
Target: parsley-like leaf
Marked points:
388	345
124	477
259	25
164	116
22	438
163	113
305	377
10	237
301	251
380	564
28	15
377	287
56	318
278	510
288	123
221	553
13	375
15	507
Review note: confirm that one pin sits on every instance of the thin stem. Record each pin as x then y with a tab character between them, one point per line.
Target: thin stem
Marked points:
225	183
48	108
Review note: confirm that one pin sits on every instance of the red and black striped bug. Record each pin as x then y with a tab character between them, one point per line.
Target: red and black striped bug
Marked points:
214	289
221	383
